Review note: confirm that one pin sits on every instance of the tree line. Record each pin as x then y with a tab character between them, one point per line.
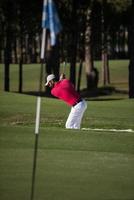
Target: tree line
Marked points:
92	29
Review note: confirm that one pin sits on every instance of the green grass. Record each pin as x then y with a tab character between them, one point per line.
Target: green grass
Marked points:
31	74
71	164
118	74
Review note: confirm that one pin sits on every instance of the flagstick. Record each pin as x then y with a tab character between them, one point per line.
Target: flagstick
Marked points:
37	115
37	122
43	43
36	145
34	166
44	17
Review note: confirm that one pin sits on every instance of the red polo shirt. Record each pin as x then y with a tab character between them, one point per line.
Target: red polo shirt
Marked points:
65	91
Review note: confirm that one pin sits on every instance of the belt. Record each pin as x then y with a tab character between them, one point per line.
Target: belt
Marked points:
79	100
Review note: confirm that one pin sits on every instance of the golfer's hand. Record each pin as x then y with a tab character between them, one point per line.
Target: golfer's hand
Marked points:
62	76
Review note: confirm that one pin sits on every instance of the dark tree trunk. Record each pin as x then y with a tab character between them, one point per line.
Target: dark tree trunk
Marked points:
21	61
105	61
73	59
88	50
20	76
7	53
30	48
79	76
105	68
91	72
131	54
15	60
2	40
131	78
52	58
7	73
15	51
35	50
73	43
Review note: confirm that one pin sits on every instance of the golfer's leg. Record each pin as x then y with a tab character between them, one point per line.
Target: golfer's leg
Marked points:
75	116
80	109
71	119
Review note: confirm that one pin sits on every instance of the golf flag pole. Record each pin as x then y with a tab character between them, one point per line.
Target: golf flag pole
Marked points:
50	20
43	45
44	30
37	122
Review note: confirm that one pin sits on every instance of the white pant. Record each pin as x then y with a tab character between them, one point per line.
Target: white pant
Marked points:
76	114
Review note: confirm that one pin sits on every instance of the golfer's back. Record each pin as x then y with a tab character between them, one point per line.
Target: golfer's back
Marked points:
65	91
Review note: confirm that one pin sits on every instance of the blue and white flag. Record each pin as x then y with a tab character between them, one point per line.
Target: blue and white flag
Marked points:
50	20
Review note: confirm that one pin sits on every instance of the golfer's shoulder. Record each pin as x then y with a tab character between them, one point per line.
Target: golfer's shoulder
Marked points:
63	81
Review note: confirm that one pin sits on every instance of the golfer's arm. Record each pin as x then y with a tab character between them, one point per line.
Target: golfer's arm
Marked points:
62	76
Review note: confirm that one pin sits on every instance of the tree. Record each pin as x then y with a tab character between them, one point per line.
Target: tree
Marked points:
74	38
52	57
131	52
80	38
105	60
8	15
91	72
128	7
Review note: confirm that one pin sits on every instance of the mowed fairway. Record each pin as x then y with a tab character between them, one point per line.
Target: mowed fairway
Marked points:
71	165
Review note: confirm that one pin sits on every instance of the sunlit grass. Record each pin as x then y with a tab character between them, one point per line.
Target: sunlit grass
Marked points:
31	75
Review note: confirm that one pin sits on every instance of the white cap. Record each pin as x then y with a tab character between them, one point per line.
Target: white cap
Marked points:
49	78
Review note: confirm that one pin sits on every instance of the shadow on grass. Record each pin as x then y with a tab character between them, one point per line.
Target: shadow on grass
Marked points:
99	94
35	93
103	92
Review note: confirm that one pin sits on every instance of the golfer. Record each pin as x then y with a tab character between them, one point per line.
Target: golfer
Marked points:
64	90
